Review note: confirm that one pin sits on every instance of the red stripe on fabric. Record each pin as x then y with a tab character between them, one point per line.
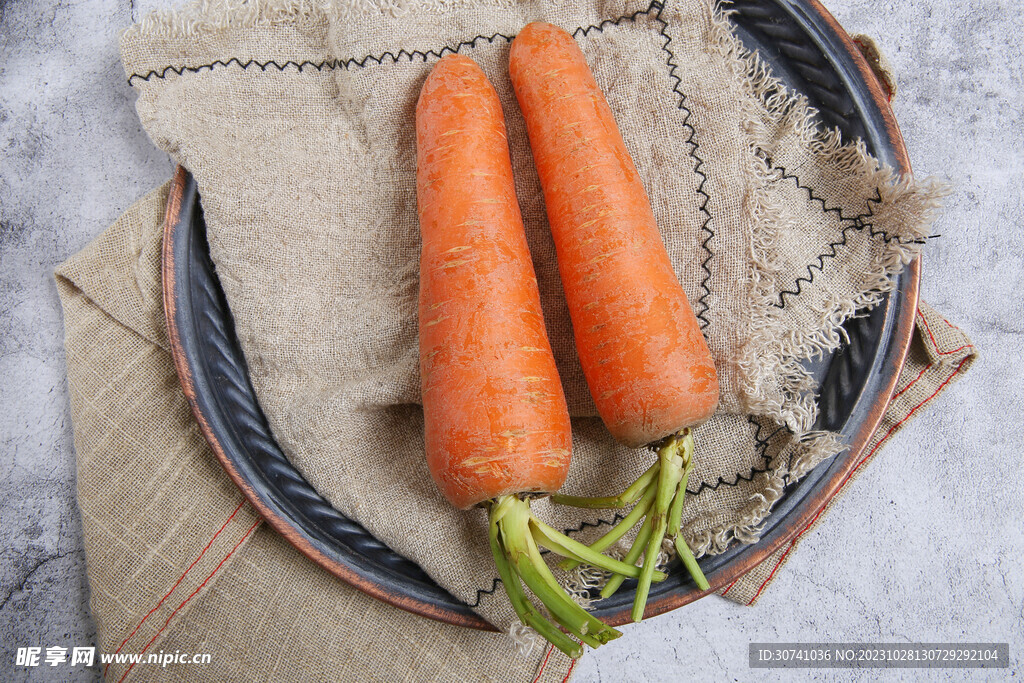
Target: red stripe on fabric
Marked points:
729	587
569	672
952	326
774	569
901	391
906	417
935	343
857	466
178	582
791	545
193	594
544	663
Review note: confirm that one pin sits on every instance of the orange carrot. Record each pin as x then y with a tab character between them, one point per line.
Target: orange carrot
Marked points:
647	364
496	418
496	424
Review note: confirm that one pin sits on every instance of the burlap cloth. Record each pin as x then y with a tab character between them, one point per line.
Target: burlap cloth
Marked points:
297	124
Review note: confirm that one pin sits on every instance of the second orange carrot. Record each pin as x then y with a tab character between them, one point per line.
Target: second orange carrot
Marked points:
647	365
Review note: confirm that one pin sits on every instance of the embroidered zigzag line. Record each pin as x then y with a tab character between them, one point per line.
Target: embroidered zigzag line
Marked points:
369	60
762	448
858	222
872	202
709	234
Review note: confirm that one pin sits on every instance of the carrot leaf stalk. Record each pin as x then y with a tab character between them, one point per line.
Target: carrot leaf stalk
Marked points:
638	512
661	491
527	613
561	544
513	528
630	495
632	556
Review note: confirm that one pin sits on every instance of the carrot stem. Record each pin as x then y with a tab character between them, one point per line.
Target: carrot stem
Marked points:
592	626
513	518
525	610
651	553
639	543
690	562
675	514
662	493
619	530
669	475
630	495
566	547
675	518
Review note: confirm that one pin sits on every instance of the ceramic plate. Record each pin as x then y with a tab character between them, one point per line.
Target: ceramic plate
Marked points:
809	52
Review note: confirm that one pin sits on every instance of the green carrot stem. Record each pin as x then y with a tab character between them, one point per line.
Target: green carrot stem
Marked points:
643	586
619	530
675	513
525	610
668	480
594	626
567	547
514	528
675	518
631	556
690	562
525	558
573	625
661	491
630	495
669	475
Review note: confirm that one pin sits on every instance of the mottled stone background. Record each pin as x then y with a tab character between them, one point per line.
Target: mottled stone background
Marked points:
926	545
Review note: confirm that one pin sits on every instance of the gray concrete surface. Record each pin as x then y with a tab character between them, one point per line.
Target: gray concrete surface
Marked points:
925	546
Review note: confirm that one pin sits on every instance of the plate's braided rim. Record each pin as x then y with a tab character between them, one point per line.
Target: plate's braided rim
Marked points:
769	22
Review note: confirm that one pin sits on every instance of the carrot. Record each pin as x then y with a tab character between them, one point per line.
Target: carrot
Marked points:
496	418
497	428
647	364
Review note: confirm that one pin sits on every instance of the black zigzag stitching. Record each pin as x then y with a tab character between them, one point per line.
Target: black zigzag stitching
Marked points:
484	591
858	222
328	64
368	60
832	247
762	448
698	168
584	524
583	31
863	222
